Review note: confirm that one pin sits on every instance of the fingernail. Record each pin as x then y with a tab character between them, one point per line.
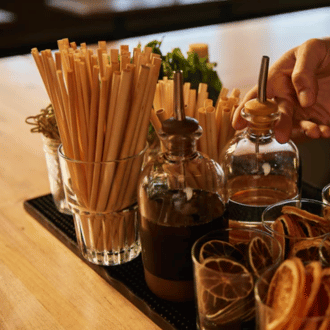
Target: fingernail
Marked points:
305	98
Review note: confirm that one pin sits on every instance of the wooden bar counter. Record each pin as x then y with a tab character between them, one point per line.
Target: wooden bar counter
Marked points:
43	285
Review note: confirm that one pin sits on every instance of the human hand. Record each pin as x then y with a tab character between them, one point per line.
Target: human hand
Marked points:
300	83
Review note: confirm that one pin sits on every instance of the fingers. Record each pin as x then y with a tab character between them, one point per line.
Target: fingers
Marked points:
310	129
325	131
309	57
315	131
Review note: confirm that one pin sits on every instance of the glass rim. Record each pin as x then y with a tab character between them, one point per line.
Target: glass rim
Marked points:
325	188
78	161
266	223
242	228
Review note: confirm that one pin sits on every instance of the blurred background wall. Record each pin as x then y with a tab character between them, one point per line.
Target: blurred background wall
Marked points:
37	23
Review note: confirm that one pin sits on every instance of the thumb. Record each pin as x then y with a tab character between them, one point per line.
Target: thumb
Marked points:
283	127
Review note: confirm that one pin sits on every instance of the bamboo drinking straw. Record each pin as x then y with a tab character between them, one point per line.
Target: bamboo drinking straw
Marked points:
214	119
102	101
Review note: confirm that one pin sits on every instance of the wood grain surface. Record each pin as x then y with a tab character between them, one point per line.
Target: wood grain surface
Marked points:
43	285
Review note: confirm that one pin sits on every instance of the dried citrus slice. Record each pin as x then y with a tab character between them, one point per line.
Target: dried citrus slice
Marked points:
217	248
311	229
306	250
285	292
291	227
211	306
225	279
321	303
313	281
239	309
325	281
279	234
326	213
226	289
223	288
259	255
287	209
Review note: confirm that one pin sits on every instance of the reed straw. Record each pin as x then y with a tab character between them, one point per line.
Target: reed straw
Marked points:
102	101
214	119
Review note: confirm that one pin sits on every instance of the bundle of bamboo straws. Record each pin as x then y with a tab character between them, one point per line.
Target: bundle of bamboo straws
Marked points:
214	119
102	101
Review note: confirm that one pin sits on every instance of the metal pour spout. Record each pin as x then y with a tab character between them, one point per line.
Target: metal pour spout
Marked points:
179	113
262	90
262	82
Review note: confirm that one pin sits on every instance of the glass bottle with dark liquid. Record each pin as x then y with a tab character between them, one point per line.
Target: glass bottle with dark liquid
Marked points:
259	170
181	198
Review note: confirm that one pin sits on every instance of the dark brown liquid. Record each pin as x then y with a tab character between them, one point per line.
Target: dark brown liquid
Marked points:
168	236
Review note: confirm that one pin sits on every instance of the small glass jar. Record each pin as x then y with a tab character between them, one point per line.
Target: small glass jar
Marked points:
50	147
259	170
180	197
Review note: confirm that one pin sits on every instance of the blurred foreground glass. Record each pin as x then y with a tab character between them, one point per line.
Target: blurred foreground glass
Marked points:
288	314
103	199
50	147
326	194
226	265
299	233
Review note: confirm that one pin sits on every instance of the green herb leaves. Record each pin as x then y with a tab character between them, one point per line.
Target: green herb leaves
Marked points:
195	69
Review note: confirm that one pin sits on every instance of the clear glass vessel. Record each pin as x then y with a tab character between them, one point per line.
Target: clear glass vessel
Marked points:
106	217
181	198
50	147
259	170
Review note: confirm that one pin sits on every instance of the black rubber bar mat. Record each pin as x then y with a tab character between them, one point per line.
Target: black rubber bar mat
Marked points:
128	278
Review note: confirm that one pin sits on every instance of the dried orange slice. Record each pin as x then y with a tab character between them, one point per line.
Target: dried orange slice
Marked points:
259	255
212	306
225	279
313	281
240	309
325	252
285	292
287	209
291	227
321	303
325	281
225	290
217	248
309	318
279	234
311	229
306	250
326	213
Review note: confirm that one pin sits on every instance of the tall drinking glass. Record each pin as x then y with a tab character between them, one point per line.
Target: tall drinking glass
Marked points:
103	199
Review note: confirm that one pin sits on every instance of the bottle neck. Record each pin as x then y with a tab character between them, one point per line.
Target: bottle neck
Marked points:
180	147
266	131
